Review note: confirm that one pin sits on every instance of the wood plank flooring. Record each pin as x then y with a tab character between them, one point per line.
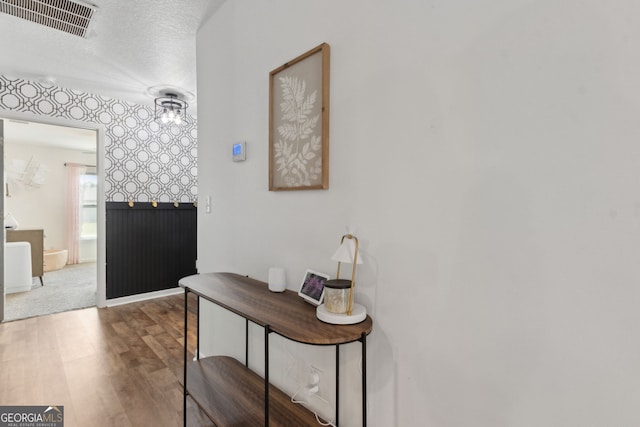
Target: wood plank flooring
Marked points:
117	366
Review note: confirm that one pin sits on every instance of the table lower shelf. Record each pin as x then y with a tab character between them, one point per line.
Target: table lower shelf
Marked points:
233	395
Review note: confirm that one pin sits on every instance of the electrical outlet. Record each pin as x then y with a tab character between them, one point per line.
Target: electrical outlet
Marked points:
313	382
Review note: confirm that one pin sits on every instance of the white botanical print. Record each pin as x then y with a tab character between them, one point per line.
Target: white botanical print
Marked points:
297	150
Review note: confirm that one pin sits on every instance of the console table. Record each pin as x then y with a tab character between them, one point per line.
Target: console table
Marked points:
230	393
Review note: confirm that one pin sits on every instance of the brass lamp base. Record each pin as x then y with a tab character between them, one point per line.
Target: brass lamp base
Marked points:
358	314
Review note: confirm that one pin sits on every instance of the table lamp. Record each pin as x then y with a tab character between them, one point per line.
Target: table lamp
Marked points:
338	307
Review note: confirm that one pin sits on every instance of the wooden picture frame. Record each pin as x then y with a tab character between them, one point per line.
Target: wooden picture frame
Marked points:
299	122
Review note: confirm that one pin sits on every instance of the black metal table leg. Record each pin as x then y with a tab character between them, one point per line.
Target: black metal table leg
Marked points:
337	385
184	384
198	327
246	343
364	380
267	330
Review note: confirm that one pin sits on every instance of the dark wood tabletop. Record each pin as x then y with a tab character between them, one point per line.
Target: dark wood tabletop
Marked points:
285	312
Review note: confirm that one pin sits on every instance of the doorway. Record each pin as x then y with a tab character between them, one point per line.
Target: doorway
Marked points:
39	160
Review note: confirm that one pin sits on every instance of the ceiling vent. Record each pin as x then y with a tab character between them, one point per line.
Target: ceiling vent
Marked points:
64	15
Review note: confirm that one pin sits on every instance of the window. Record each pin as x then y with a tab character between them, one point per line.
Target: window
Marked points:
88	205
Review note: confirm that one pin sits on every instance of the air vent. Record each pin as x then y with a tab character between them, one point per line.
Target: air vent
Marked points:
64	15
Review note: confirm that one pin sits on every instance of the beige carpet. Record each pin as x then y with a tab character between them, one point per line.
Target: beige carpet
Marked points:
70	288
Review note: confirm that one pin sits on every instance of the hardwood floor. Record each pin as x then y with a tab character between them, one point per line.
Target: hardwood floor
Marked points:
118	366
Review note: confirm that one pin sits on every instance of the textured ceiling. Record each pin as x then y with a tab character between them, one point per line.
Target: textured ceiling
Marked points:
133	45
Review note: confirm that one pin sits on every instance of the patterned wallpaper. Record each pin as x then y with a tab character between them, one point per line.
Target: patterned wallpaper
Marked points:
144	159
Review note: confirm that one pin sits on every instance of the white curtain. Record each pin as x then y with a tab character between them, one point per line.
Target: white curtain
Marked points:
74	172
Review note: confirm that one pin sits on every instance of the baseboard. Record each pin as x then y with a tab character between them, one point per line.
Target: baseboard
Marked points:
142	297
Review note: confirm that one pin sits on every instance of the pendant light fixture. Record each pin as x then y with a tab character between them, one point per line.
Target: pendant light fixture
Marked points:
170	109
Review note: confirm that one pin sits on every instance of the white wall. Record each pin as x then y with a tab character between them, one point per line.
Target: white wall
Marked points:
487	154
45	206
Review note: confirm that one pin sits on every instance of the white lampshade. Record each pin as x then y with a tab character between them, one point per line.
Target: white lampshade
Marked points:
346	251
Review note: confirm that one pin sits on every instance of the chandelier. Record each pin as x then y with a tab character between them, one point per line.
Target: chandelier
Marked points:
170	109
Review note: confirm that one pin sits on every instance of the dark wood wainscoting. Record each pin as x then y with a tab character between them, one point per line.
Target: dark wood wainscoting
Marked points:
149	248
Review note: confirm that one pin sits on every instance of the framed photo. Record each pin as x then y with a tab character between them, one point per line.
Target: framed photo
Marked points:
312	287
299	122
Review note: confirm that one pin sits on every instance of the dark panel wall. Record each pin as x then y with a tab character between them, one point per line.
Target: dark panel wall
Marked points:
149	249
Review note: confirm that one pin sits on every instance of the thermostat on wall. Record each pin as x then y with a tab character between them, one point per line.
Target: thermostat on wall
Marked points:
239	151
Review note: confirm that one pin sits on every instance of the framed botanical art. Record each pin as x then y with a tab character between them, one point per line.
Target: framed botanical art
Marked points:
299	122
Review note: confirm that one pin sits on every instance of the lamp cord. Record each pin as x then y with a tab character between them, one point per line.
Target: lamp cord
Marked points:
300	402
